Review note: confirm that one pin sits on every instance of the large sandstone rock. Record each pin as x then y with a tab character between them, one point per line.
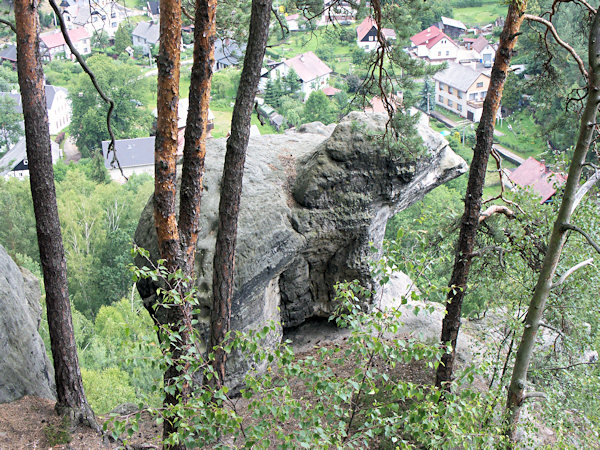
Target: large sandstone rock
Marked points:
24	366
313	200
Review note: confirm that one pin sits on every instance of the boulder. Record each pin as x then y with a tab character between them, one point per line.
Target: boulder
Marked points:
24	366
313	201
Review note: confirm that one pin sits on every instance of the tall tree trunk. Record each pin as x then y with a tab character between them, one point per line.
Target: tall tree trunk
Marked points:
231	186
69	387
165	178
477	171
516	391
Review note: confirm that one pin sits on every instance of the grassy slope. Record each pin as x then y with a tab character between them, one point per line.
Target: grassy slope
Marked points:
480	15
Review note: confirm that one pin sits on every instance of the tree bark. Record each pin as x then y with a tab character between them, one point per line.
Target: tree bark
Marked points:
477	171
71	398
516	391
231	186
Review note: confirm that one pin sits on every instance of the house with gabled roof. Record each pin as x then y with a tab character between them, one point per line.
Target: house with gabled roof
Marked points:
227	53
366	34
433	45
58	107
145	35
536	176
312	72
93	15
452	27
484	50
52	43
9	53
461	90
15	164
134	155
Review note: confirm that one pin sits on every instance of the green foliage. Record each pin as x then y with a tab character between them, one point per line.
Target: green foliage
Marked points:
100	39
124	84
107	388
17	222
8	78
123	37
427	102
318	108
10	123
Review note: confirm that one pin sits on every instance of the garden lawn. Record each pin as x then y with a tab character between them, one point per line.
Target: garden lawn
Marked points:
223	123
489	11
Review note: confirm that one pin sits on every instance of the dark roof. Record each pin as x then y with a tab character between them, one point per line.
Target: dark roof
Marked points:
536	175
154	8
227	52
149	31
131	152
13	157
50	94
9	53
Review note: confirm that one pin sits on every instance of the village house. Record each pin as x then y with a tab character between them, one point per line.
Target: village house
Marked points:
153	10
14	163
536	176
227	53
134	155
93	15
452	27
461	90
338	12
53	45
312	72
476	52
293	23
9	54
366	34
145	35
433	45
58	107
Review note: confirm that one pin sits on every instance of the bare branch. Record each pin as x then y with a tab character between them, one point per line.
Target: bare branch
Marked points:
9	24
500	196
284	28
550	327
565	275
570	366
587	5
534	394
86	69
560	42
187	14
484	250
496	209
584	189
568	226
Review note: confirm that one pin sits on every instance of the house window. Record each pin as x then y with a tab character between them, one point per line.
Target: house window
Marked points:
450	103
371	38
472	96
439	53
460	94
441	88
449	90
440	99
459	107
447	52
114	24
113	15
480	84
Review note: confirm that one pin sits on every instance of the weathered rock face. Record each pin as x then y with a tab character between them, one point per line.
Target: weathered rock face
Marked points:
313	200
24	366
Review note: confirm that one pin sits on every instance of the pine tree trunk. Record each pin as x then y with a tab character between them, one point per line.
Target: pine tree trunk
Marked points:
477	171
71	398
516	391
231	186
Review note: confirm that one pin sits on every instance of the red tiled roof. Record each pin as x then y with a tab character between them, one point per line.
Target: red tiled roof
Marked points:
56	39
536	175
308	66
430	37
480	43
330	90
365	27
378	106
292	17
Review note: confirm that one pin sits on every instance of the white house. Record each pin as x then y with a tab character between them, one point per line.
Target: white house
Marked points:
293	22
485	51
53	43
461	90
433	45
312	72
94	15
57	105
14	163
366	34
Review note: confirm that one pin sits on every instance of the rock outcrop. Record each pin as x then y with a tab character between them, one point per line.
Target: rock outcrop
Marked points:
313	200
24	366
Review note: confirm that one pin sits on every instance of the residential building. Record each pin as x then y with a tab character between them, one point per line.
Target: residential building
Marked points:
94	15
14	163
485	51
461	90
338	12
537	177
330	91
227	53
433	45
145	35
312	72
293	22
153	10
452	27
9	53
58	107
366	34
53	45
134	155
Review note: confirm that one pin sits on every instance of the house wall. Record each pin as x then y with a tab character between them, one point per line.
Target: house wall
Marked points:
369	41
59	115
115	174
443	50
469	103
